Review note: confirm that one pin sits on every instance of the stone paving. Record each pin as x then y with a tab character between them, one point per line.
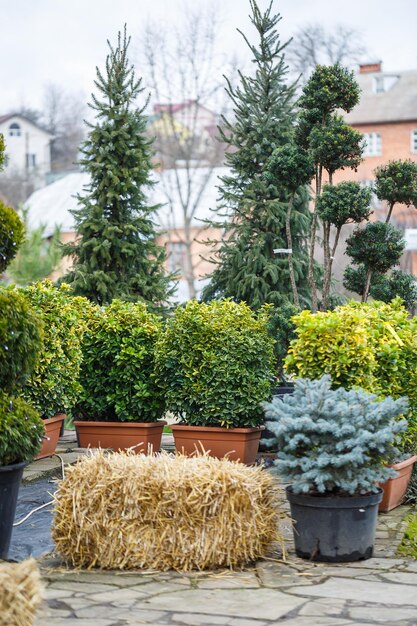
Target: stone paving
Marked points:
381	590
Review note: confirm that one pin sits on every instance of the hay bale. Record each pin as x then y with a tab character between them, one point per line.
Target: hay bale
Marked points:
20	592
124	511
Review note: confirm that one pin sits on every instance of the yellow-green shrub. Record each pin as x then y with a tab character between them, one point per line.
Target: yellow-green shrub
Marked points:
368	345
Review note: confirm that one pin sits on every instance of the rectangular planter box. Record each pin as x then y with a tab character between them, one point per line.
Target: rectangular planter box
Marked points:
120	435
237	444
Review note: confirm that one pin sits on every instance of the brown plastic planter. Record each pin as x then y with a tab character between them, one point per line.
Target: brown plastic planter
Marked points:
237	444
395	488
120	435
52	432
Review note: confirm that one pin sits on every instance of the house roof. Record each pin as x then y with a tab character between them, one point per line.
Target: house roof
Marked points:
52	204
9	116
397	103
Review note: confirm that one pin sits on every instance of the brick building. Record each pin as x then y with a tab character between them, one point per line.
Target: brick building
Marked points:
387	117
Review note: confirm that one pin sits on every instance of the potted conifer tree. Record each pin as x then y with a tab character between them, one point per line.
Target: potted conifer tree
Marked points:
215	364
332	449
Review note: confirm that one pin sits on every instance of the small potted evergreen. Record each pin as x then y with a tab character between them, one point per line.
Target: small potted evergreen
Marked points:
120	404
53	388
21	428
215	363
332	449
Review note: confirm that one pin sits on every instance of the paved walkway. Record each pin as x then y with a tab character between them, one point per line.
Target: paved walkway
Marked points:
381	590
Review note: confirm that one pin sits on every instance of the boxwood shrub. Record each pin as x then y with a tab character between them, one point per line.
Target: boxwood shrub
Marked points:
21	337
118	363
21	430
54	385
215	363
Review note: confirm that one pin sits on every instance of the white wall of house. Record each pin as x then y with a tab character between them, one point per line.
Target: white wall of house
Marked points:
27	146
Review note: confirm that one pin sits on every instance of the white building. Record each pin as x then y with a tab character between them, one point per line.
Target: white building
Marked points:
28	147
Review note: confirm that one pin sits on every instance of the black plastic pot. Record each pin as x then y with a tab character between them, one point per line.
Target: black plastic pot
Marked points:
334	529
278	392
10	478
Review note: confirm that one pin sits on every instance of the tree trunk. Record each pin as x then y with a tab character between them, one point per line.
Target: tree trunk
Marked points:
290	256
328	268
367	285
311	279
391	206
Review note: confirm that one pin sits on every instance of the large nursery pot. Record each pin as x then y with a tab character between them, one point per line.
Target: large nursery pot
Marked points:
395	488
334	528
10	478
141	436
237	444
53	427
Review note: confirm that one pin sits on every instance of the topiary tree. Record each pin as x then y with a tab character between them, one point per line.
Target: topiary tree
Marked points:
334	441
396	183
332	145
293	168
21	337
115	254
375	248
338	205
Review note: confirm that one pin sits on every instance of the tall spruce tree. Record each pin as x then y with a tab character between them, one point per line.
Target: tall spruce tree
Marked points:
253	207
115	254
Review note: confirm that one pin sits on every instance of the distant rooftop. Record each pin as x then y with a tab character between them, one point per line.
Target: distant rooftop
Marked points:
52	204
385	96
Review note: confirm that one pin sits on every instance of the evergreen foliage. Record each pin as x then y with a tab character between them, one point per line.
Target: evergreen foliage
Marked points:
117	370
332	145
21	337
384	287
396	182
54	384
344	203
254	207
12	234
334	441
21	431
115	252
214	363
375	249
37	257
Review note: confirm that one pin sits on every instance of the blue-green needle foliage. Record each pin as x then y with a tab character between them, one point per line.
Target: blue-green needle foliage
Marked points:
334	441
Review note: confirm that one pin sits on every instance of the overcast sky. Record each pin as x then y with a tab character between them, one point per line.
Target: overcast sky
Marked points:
61	41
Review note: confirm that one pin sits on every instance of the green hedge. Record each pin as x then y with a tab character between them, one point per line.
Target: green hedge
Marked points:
215	363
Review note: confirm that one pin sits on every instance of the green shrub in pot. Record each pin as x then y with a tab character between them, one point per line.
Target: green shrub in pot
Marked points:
215	363
54	386
21	430
21	337
368	345
118	363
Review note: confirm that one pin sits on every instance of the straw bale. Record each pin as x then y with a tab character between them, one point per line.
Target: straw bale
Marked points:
20	592
127	511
